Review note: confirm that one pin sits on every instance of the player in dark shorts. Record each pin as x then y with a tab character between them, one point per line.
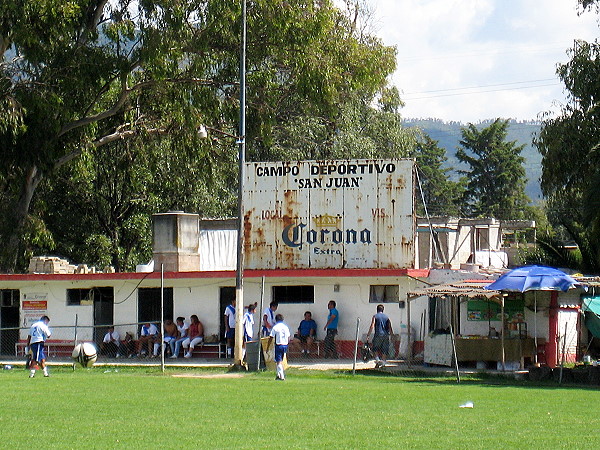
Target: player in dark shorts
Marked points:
381	325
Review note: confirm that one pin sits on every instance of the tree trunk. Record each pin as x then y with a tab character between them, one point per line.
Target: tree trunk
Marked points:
15	229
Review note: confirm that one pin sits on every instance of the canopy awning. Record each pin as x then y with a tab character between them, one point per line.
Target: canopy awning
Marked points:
591	308
468	289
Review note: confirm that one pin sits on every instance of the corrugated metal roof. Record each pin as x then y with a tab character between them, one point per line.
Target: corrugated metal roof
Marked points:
469	289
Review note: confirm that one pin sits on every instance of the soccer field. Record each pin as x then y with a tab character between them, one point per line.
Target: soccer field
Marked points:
143	408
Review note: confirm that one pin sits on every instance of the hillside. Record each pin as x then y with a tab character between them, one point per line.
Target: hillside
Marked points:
448	135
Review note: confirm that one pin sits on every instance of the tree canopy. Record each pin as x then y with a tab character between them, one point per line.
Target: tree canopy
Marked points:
569	146
100	102
441	196
496	178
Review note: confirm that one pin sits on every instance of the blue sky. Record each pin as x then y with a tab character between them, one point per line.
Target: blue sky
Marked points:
470	60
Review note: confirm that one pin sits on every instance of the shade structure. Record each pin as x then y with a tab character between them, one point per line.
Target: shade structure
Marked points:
591	308
533	278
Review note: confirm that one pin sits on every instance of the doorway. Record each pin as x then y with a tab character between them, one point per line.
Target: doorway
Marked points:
9	320
104	305
226	295
149	305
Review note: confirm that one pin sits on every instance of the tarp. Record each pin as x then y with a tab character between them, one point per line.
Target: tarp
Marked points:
218	250
533	278
591	308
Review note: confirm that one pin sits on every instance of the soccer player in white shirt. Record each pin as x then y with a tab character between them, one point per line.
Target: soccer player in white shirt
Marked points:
281	333
268	319
230	328
248	323
38	333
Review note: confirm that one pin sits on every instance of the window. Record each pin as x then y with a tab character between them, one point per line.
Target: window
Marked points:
10	297
384	294
79	296
149	304
294	294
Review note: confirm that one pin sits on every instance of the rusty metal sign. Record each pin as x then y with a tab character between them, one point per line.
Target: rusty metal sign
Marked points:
329	214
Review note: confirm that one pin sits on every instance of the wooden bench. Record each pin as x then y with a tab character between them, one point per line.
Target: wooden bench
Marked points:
53	348
207	350
316	349
210	350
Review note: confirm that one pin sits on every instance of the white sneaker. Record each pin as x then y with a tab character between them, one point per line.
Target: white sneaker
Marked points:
173	357
187	355
31	375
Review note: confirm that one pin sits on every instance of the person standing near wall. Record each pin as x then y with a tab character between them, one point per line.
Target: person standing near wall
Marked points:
38	333
230	328
248	323
268	318
381	325
331	330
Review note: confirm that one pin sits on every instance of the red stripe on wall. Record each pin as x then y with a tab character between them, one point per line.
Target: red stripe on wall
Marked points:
275	273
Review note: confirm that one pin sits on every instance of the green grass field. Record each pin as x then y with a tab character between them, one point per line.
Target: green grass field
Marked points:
143	408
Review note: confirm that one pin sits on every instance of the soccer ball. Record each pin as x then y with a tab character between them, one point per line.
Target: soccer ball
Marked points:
85	354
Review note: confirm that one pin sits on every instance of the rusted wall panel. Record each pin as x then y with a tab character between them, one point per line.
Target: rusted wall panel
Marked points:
329	214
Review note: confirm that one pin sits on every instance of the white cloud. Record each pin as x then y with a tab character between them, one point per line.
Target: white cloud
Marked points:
447	45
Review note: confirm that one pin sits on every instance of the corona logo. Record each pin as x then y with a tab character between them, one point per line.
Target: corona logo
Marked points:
296	235
326	221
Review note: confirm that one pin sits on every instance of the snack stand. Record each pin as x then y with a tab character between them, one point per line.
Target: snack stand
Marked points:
468	323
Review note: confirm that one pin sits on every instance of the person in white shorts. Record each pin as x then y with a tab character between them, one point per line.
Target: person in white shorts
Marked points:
38	333
281	333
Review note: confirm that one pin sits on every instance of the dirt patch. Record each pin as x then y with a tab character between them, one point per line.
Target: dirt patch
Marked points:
213	375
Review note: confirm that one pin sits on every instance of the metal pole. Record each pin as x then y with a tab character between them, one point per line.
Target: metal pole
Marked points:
262	295
502	335
356	345
454	354
562	360
239	286
162	318
75	338
409	355
535	342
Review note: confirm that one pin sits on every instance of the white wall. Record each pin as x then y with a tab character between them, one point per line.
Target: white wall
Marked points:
201	296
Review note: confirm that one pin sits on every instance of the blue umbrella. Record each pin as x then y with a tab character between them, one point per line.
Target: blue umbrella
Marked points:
533	278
